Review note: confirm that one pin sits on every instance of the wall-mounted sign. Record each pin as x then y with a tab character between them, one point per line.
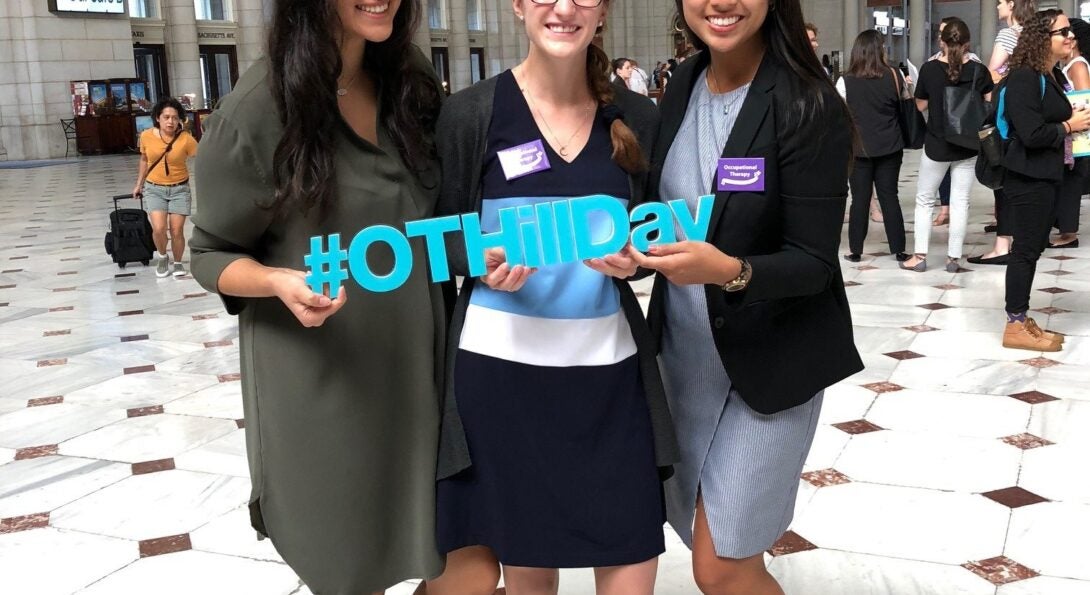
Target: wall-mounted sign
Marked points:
218	34
88	6
148	33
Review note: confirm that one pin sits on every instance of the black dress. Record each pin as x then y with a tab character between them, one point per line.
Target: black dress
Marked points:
548	389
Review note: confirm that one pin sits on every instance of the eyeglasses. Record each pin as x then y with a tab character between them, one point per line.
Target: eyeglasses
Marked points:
579	3
1062	32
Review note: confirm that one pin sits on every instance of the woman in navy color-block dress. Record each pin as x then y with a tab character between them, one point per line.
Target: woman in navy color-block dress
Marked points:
554	385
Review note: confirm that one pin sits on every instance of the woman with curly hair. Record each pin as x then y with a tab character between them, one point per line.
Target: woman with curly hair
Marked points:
1015	13
332	133
1077	71
1038	119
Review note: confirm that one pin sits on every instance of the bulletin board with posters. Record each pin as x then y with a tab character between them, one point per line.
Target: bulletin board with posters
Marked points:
105	112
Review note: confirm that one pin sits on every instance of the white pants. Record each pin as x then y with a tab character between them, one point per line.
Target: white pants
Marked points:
962	174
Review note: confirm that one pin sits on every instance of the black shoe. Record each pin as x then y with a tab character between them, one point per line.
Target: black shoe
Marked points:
901	256
852	257
991	228
1072	244
1001	259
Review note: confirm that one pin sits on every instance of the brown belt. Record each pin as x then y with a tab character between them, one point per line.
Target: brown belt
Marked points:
185	181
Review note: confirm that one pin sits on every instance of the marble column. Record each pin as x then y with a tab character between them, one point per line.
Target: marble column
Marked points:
458	46
183	55
422	35
919	31
986	41
852	27
252	31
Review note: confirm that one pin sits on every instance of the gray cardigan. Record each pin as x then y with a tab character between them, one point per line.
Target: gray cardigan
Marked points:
461	139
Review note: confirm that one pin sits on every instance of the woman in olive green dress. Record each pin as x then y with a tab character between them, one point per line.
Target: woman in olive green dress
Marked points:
331	134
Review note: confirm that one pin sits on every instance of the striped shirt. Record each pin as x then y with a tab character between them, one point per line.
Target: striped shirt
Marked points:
1008	40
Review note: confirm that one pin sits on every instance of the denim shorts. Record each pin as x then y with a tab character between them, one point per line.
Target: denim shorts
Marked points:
172	199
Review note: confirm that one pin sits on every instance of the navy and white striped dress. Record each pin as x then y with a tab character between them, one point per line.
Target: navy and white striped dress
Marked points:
743	464
548	389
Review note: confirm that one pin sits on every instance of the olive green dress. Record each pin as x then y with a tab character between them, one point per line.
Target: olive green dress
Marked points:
342	420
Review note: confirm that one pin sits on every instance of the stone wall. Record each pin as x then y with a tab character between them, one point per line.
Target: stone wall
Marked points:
40	53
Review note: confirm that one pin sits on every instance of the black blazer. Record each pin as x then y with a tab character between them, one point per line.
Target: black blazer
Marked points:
789	334
1037	133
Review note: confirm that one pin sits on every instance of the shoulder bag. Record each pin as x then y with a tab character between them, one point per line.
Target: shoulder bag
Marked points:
913	126
964	113
169	146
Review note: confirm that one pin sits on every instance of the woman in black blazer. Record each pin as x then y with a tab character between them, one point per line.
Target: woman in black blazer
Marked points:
753	324
1040	119
872	89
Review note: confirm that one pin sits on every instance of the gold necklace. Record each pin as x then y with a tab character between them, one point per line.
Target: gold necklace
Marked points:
733	100
563	151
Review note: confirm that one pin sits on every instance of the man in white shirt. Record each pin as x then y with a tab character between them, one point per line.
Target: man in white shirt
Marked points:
638	81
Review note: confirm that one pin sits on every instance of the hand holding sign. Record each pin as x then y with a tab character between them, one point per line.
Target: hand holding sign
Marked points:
501	276
690	263
620	265
309	308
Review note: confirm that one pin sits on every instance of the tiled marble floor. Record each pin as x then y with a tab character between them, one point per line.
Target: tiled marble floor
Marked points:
950	465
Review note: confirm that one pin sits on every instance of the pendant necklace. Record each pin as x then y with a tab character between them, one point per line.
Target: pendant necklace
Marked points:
734	94
342	91
563	151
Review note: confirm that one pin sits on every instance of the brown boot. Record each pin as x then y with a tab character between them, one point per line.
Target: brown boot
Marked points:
1054	337
1027	335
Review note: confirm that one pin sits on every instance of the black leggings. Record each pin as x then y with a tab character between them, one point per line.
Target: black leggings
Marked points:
1030	203
881	174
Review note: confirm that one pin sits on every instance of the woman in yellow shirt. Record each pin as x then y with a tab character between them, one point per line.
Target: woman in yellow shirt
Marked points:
164	181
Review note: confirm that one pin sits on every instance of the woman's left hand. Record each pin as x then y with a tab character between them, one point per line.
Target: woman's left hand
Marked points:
689	263
620	265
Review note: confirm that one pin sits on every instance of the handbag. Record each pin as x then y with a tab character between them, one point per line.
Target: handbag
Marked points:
964	114
913	126
994	137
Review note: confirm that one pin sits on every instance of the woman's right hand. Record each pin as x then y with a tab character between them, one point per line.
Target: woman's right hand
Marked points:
137	190
309	308
1080	120
500	275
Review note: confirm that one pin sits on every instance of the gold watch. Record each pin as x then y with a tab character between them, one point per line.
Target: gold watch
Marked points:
742	280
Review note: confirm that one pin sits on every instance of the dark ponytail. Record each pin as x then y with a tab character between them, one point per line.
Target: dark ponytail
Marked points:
304	62
955	35
626	148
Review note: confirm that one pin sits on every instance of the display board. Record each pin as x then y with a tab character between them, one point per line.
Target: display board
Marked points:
88	6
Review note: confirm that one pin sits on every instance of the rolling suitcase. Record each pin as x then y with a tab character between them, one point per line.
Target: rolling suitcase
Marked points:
129	238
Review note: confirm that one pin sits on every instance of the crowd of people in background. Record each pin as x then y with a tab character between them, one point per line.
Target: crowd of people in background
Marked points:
554	424
1035	61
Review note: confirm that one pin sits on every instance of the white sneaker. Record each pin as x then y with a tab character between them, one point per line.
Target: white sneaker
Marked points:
179	270
162	267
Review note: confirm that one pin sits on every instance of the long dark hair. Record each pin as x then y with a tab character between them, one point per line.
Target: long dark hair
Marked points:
1034	49
1081	29
868	60
304	62
785	33
955	35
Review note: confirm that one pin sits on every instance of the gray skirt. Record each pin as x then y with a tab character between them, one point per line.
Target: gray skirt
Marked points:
745	465
746	468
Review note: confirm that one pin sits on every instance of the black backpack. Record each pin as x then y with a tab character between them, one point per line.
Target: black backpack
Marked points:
129	238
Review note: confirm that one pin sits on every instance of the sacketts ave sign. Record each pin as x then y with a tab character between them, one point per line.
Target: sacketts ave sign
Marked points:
85	6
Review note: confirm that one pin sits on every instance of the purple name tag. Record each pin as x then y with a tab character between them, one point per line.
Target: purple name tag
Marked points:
523	160
744	174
